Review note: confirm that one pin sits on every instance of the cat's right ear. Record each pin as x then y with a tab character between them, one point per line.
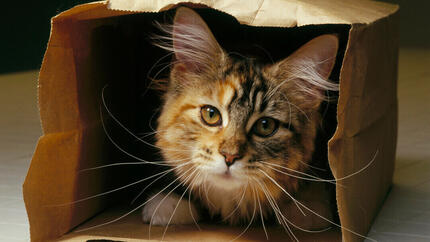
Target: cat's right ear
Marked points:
195	48
305	73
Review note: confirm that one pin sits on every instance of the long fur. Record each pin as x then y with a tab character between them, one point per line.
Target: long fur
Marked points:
243	91
196	46
192	45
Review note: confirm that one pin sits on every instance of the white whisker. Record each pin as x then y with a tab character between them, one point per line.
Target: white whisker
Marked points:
262	216
113	190
277	211
287	193
318	215
189	202
206	190
150	71
250	221
313	178
177	205
327	180
122	126
130	212
238	204
116	164
122	150
170	192
311	166
155	180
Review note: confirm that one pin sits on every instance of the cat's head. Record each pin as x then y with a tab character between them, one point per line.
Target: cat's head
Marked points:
227	122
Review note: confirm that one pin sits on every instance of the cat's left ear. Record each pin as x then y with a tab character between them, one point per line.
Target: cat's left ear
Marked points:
194	45
304	74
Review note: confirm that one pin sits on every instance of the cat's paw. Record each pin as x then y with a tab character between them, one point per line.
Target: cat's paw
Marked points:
185	212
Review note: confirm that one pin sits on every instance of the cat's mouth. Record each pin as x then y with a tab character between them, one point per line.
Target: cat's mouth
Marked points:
230	176
226	180
227	174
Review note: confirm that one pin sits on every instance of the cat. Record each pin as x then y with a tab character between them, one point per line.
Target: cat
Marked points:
240	134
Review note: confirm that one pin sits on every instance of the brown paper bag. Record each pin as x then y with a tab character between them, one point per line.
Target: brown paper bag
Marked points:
79	61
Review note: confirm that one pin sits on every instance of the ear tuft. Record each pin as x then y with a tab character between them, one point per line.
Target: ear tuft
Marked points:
193	43
306	71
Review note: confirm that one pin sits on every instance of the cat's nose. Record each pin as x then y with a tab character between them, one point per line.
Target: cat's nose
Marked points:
230	158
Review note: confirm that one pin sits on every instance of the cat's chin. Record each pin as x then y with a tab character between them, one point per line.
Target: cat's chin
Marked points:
226	181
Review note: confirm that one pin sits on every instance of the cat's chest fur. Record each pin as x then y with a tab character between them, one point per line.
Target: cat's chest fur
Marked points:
232	205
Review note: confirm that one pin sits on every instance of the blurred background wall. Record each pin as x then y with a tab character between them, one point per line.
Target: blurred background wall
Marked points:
25	26
414	23
24	31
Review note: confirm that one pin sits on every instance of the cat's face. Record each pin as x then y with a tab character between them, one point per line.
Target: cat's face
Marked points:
230	123
225	126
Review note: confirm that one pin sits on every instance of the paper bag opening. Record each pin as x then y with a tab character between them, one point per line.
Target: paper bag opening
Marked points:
98	67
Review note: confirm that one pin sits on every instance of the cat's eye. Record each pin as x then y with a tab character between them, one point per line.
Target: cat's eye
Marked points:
210	115
265	127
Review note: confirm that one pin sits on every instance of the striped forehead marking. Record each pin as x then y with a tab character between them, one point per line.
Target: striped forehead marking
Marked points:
226	93
252	90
